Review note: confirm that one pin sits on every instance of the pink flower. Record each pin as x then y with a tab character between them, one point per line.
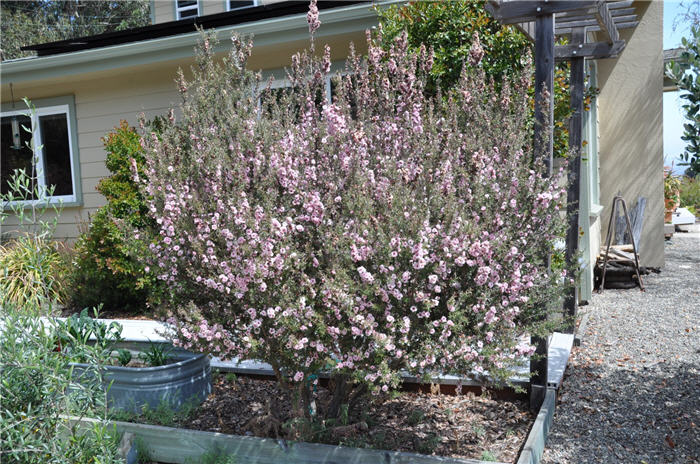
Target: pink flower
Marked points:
312	17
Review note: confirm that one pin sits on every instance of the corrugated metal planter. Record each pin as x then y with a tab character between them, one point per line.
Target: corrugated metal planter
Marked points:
184	381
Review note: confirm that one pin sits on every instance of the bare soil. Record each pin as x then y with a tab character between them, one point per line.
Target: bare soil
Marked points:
466	426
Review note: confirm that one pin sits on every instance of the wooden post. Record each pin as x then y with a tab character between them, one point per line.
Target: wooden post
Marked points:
578	36
544	147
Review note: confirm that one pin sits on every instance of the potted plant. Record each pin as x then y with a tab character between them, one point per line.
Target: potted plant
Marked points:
176	380
672	187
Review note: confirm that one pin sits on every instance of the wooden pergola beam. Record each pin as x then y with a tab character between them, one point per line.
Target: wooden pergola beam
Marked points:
585	22
593	50
544	150
620	26
617	14
573	195
576	15
606	22
522	11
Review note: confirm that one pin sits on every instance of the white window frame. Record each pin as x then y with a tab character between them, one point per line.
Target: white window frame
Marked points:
39	155
179	10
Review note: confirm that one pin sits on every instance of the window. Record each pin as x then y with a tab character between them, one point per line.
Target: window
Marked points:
238	4
186	8
54	157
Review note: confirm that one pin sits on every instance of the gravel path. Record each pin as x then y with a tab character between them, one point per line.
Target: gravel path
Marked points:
632	390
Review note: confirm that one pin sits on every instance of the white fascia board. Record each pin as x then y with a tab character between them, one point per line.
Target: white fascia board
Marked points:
265	32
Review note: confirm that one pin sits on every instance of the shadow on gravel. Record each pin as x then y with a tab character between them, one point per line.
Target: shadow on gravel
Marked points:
649	415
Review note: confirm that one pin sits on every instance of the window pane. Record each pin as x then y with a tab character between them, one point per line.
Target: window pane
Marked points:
55	138
14	157
185	3
234	4
188	13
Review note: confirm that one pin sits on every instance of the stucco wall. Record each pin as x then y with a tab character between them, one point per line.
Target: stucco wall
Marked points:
104	98
631	128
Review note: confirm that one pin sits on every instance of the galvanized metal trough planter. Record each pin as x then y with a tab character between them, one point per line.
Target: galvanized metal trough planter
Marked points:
187	380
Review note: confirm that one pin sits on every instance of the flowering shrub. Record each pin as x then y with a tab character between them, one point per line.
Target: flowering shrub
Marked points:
381	231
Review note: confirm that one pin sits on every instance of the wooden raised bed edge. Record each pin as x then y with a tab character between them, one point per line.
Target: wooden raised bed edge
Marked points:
173	445
537	438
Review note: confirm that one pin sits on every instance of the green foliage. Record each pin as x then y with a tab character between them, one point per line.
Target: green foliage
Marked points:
76	331
672	185
23	263
416	417
106	267
487	456
690	194
449	28
30	263
164	414
216	456
39	21
124	357
686	73
157	355
38	387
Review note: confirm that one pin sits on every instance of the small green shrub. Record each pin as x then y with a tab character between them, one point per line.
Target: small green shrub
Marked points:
106	268
487	456
23	263
124	357
157	355
690	194
38	387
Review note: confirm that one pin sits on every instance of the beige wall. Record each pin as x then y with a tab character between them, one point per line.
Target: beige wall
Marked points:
631	127
165	9
104	98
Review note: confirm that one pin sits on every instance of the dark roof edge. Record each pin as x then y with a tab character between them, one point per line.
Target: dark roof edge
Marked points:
183	26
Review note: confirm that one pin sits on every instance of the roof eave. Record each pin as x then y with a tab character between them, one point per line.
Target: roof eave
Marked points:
266	32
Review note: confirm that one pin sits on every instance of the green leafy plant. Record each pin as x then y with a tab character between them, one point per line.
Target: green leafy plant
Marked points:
80	330
685	71
157	354
672	186
124	357
416	417
107	269
215	456
690	194
30	263
450	27
487	456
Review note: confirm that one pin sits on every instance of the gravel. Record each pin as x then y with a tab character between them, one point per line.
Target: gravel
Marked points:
631	393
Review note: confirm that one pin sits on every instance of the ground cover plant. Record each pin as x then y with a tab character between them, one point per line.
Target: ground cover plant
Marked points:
386	230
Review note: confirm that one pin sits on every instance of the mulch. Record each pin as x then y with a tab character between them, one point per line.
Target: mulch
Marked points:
466	426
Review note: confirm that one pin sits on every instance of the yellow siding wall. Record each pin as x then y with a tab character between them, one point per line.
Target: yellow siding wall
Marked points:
631	127
99	105
164	10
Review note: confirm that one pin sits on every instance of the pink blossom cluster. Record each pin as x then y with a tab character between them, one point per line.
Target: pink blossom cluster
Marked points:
382	231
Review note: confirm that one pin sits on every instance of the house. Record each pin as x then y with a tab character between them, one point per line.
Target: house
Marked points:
82	88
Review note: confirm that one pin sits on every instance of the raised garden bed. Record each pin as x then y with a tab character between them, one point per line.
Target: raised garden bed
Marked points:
187	381
464	426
